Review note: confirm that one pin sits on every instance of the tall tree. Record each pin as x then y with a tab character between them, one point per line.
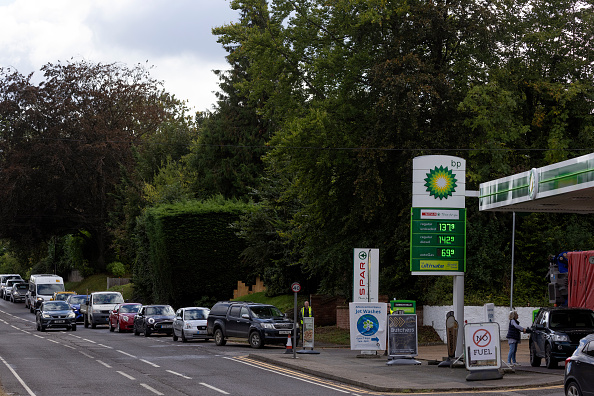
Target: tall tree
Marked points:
63	142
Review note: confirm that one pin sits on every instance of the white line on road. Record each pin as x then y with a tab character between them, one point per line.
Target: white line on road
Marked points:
54	341
151	389
214	388
91	341
151	363
181	375
105	346
38	336
29	391
86	354
126	375
68	346
103	363
126	353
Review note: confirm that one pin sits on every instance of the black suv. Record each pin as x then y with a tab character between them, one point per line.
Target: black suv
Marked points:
258	323
556	333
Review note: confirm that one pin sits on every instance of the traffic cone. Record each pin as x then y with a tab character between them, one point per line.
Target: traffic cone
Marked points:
289	345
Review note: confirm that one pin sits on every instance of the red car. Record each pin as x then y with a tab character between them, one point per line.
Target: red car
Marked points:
122	316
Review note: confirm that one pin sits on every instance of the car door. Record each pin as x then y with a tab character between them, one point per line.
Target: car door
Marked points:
178	322
540	333
139	320
584	369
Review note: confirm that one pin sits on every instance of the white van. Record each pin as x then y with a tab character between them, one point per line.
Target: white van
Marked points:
42	288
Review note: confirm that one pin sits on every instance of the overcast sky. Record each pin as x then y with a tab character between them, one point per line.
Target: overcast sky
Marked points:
174	36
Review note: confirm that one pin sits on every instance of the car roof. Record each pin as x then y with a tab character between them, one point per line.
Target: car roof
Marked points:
187	308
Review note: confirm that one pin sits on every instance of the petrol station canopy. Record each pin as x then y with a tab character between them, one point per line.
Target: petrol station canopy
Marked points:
564	187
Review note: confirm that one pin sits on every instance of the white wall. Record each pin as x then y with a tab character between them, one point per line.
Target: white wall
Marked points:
436	316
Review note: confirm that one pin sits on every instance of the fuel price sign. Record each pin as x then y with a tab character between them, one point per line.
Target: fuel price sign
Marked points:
438	241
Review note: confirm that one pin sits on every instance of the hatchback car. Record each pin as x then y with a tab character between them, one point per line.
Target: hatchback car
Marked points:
3	279
53	314
556	333
18	292
154	319
121	318
190	324
579	369
8	287
75	300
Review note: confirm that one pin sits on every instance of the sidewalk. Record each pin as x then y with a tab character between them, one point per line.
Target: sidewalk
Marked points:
343	365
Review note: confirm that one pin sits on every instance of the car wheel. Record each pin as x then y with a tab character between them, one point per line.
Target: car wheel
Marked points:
219	337
174	336
111	328
147	332
549	361
183	337
118	326
573	389
38	326
136	332
86	321
92	323
73	328
255	340
534	360
42	327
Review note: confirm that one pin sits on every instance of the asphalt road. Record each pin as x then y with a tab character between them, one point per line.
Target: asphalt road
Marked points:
97	362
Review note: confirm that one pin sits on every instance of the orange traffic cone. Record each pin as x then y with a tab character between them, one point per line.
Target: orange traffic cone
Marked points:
289	345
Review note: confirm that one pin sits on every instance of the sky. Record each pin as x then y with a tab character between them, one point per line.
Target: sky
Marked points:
173	36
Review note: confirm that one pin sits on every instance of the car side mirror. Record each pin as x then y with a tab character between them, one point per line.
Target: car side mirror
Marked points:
245	316
538	326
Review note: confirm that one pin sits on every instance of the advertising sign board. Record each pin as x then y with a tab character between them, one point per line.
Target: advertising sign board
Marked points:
483	347
402	335
308	332
368	326
365	275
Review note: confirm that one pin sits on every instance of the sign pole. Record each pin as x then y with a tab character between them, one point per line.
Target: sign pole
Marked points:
295	287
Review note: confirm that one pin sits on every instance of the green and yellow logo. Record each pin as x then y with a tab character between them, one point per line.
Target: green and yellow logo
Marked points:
441	182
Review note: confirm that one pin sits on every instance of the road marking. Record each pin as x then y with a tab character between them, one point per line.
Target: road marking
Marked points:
86	339
68	346
126	375
181	375
313	381
151	363
151	389
54	341
103	363
86	354
213	388
38	336
29	391
105	346
126	353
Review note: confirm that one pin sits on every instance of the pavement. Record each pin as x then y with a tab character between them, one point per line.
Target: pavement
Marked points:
372	373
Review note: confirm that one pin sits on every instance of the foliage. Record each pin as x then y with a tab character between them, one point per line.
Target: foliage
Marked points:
117	269
190	251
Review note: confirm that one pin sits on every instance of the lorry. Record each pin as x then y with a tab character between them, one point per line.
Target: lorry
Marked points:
571	276
98	306
41	288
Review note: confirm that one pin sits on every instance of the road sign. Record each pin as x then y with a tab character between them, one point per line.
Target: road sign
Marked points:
296	287
482	346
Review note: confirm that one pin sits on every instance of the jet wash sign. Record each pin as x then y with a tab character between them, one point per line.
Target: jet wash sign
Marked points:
438	216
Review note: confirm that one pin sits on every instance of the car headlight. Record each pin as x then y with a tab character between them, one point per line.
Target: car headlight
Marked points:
151	320
39	298
560	337
46	315
187	326
71	315
268	325
95	310
125	318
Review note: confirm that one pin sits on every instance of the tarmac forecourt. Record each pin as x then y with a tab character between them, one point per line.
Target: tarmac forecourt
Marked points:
372	373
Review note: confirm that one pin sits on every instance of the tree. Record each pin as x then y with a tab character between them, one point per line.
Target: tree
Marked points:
63	142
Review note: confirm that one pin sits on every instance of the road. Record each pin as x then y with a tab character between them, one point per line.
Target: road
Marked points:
97	362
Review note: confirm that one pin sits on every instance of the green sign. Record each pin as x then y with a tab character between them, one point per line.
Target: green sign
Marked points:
406	306
438	240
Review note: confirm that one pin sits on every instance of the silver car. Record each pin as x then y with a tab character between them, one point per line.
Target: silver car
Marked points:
190	324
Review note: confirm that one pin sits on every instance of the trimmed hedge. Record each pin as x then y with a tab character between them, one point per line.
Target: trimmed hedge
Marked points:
188	252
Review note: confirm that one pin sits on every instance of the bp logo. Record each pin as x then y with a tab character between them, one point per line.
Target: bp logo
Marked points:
367	325
441	182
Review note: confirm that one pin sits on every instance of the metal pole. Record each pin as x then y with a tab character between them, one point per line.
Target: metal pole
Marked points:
295	326
369	276
511	294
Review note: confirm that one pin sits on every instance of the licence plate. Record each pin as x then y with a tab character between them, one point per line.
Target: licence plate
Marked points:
59	321
201	332
166	326
284	332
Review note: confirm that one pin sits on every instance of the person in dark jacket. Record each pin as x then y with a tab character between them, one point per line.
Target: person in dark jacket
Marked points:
514	337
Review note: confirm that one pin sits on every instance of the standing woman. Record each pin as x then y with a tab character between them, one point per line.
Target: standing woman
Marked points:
514	336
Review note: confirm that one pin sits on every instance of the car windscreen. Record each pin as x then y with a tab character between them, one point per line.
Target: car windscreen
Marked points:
266	312
195	314
108	299
77	299
62	297
129	308
11	282
22	286
49	288
56	306
159	311
571	319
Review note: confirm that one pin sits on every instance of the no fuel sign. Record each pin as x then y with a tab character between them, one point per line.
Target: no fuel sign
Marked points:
482	346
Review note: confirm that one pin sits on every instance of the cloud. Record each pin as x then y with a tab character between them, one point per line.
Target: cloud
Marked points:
174	36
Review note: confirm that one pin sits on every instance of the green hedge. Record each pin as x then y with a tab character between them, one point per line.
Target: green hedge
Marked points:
188	252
